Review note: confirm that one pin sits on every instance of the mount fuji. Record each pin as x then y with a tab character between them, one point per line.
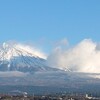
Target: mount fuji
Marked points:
22	66
15	57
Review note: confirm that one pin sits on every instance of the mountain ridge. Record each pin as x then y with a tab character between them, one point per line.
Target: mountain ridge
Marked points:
18	58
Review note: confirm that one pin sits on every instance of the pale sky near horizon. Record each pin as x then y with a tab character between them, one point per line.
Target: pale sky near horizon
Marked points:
44	22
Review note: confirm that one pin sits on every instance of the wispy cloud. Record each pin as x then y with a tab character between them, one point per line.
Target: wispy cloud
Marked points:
32	50
12	74
83	57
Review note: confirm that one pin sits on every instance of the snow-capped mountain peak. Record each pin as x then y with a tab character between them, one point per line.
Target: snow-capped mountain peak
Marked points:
8	51
19	57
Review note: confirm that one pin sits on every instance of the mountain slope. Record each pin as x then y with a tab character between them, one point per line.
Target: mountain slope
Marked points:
15	57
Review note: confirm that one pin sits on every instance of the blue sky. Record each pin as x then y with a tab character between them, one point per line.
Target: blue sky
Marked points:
46	21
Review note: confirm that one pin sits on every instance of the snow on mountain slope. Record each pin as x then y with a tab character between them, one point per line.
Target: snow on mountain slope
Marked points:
9	50
16	57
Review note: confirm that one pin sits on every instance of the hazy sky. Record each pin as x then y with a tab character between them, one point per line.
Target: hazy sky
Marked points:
45	22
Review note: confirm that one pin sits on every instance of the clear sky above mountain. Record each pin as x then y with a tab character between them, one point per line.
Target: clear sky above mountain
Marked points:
46	21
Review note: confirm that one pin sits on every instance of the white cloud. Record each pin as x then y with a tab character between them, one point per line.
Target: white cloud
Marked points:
63	42
84	57
12	74
33	50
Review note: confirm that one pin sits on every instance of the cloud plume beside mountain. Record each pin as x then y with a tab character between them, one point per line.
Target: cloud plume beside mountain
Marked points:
84	57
